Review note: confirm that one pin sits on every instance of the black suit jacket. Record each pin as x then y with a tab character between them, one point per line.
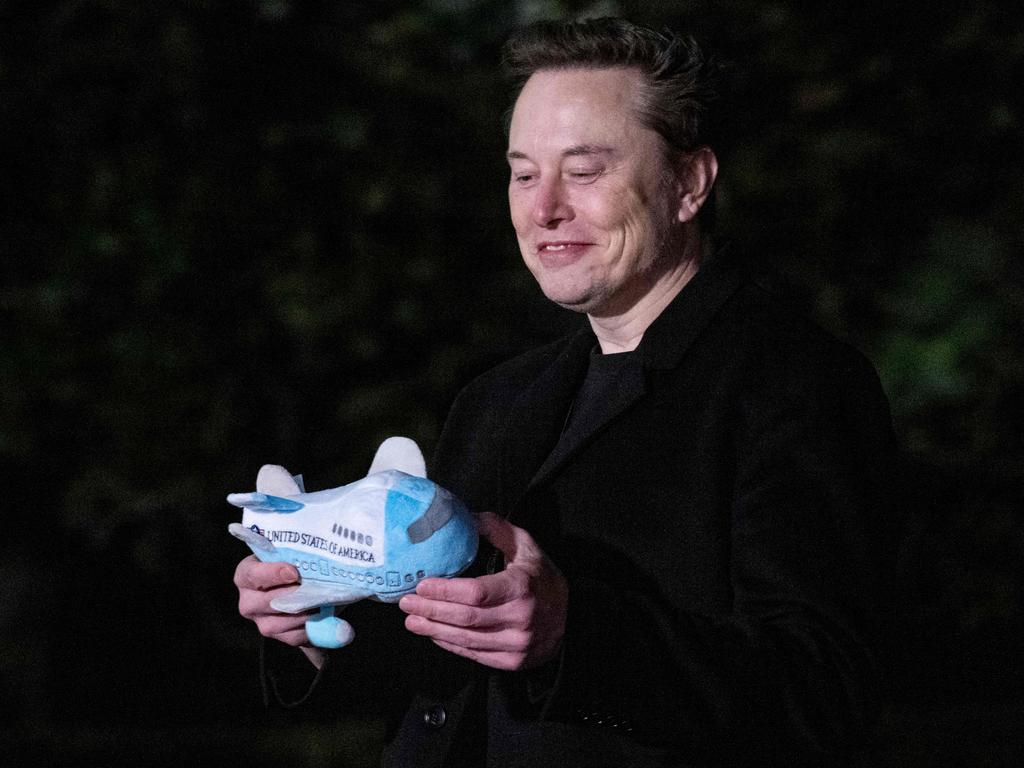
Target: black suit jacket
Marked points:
725	534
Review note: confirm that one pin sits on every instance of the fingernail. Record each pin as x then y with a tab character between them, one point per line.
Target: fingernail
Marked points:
286	574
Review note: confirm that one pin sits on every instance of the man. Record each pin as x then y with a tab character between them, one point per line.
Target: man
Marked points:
686	498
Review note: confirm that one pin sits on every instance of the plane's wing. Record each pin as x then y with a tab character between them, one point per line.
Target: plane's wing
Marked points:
256	542
264	502
311	594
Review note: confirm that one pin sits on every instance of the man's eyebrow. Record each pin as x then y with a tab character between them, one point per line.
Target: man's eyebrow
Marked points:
586	149
580	150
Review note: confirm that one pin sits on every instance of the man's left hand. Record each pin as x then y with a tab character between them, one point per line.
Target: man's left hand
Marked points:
514	619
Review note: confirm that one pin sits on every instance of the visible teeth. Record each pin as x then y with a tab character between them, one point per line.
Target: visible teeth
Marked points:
554	247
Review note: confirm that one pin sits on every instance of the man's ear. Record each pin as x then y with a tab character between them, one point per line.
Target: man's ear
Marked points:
697	172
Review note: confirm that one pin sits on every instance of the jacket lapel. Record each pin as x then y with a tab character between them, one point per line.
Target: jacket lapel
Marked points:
631	387
678	326
538	415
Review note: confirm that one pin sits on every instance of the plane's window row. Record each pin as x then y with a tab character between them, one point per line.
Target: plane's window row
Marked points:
358	538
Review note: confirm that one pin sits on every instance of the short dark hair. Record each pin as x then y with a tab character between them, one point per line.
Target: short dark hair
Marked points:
681	84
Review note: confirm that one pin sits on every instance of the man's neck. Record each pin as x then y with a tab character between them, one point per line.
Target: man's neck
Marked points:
623	332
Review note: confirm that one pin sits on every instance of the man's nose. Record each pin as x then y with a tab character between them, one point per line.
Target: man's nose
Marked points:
550	206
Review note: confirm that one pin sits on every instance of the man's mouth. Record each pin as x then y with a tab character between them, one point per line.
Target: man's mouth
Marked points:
560	253
561	245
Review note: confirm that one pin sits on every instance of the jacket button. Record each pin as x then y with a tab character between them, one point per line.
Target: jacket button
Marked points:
434	717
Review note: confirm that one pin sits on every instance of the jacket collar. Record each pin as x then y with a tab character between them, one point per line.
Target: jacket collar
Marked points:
673	332
538	414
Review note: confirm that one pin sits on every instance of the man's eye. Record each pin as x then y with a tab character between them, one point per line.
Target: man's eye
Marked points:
585	174
523	178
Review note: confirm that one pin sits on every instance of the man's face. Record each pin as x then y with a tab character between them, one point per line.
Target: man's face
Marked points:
594	207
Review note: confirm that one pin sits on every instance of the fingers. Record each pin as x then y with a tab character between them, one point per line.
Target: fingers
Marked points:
492	589
258	583
514	542
497	640
289	628
253	603
253	574
510	620
483	615
284	627
495	659
448	613
517	634
487	613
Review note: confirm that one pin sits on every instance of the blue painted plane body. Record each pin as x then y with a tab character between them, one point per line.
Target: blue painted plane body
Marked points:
376	538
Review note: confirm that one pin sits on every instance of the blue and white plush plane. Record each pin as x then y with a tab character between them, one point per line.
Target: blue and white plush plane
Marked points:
375	538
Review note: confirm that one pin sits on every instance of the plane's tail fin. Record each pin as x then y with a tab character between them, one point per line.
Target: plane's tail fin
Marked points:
399	453
275	479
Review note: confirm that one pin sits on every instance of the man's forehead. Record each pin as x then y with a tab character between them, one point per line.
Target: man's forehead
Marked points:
609	86
575	112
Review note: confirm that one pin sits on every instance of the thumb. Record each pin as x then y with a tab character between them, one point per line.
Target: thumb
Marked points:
512	541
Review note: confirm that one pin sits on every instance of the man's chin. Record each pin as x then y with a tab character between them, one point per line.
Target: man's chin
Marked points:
592	303
576	298
583	304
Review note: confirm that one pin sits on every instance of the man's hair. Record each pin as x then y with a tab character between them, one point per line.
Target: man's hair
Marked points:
680	83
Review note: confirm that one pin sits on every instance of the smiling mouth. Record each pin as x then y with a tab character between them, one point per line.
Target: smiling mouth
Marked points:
562	246
555	255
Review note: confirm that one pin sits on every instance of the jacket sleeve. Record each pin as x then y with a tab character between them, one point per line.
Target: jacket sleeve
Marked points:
789	666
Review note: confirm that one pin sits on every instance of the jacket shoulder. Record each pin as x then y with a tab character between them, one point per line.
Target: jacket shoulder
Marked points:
777	362
769	333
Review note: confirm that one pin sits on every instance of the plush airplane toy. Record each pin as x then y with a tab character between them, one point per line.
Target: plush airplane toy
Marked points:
374	538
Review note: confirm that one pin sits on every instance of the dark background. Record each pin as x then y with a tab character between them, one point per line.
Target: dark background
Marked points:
241	232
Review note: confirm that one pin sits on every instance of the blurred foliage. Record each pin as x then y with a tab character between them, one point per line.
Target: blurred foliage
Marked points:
258	230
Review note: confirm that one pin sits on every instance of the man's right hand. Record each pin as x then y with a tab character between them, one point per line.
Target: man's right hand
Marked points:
258	583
